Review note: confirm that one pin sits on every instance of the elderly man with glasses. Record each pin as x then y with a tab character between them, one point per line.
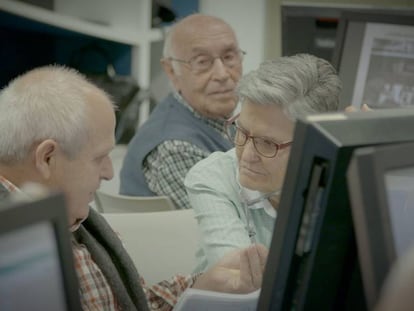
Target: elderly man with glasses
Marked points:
235	194
203	62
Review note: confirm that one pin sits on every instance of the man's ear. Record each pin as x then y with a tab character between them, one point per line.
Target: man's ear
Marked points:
45	157
170	72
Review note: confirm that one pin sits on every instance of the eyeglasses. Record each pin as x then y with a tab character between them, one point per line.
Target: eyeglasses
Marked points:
264	146
203	62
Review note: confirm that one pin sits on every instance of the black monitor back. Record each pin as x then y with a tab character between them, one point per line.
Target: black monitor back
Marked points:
313	262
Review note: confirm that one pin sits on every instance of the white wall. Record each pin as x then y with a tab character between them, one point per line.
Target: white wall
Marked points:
247	17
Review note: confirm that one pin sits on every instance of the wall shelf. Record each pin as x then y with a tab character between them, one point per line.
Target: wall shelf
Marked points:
75	24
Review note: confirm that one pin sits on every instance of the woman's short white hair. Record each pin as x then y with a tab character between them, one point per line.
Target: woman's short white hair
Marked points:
46	103
302	84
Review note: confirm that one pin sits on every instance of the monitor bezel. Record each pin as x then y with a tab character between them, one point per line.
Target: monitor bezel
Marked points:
369	204
392	16
50	209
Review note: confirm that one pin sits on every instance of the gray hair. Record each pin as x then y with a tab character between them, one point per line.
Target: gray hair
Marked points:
168	49
46	103
302	84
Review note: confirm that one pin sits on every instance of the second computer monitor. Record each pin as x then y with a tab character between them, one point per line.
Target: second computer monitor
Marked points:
381	187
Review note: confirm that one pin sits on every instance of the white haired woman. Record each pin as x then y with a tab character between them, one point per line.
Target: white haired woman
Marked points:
235	194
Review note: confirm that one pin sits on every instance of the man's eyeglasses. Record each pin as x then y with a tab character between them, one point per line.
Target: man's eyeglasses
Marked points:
203	62
264	146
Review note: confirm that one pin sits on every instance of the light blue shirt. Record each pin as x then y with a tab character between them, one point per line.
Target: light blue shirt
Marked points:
214	193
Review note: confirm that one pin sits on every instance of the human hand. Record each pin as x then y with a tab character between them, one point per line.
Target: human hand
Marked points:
351	108
240	271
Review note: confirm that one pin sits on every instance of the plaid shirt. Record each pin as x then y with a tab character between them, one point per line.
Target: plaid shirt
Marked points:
95	292
166	166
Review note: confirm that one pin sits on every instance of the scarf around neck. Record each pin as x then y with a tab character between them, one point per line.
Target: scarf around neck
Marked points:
111	257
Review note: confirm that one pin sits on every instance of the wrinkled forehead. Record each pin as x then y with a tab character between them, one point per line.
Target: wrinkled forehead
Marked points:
211	37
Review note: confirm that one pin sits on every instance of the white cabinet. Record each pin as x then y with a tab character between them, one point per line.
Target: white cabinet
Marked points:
124	26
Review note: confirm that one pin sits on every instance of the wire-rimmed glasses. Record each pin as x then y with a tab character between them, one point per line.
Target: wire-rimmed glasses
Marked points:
204	62
263	145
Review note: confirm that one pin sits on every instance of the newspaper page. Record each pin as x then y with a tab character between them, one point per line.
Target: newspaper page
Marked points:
385	77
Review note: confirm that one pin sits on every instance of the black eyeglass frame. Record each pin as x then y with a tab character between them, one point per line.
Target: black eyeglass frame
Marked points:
232	122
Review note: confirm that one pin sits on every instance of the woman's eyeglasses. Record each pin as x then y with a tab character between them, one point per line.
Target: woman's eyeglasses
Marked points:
264	146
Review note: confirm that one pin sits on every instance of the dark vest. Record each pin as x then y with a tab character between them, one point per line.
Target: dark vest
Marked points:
170	120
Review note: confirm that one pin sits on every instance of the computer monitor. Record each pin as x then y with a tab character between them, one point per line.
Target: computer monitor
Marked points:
36	260
381	188
374	56
312	262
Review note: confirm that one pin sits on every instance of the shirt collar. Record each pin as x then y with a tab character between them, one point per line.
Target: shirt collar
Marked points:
247	194
217	124
18	194
10	187
29	191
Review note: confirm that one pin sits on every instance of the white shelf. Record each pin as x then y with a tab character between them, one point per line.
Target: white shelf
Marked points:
125	22
78	25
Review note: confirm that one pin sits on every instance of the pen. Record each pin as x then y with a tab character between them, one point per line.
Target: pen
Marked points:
246	204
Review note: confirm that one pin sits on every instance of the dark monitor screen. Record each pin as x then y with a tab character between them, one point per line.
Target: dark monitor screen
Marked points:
381	187
309	28
374	56
36	261
313	262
